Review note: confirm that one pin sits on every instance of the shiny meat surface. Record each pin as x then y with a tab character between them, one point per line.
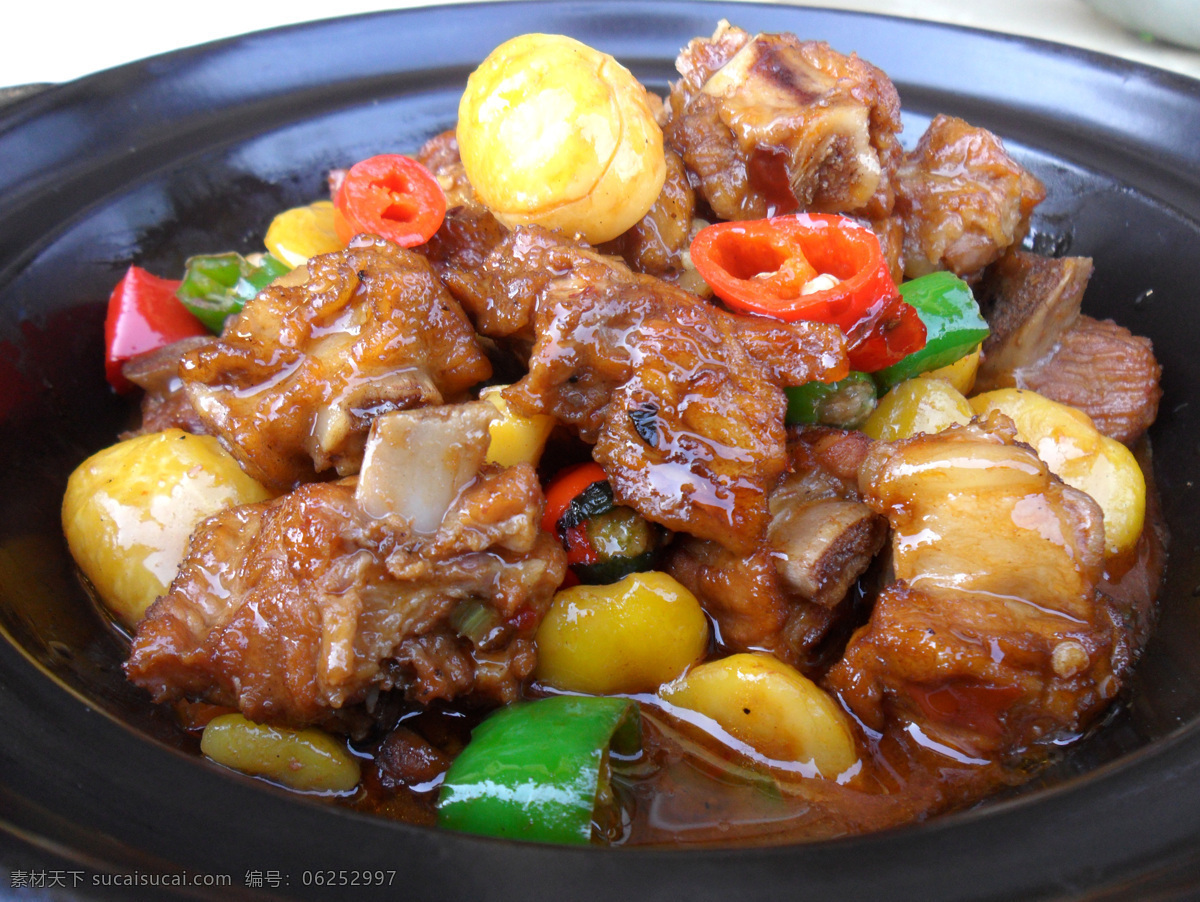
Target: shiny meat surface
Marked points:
823	536
746	597
987	646
469	232
771	124
295	609
405	758
1041	341
682	400
836	453
890	232
963	200
459	247
501	293
440	156
819	540
293	384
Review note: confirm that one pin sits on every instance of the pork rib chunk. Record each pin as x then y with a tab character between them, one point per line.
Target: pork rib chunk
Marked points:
295	609
657	243
1106	371
1042	342
297	377
683	400
993	638
963	200
785	596
771	124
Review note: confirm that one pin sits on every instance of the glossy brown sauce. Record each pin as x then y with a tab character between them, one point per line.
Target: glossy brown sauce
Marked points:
688	786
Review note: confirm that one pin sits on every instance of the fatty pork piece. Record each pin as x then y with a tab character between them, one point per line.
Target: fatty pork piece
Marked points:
682	399
297	609
1041	341
993	638
297	377
786	595
963	200
771	124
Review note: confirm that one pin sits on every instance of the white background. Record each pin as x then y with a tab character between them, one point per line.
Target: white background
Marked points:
58	40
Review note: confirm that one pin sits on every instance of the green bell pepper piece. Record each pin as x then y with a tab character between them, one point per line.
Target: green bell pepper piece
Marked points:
953	326
534	770
846	403
216	286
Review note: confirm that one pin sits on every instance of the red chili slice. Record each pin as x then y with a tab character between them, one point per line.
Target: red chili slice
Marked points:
392	196
768	267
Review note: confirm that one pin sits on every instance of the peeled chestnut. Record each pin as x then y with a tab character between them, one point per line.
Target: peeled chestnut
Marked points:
555	133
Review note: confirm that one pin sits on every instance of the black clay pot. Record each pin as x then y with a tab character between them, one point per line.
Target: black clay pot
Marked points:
196	151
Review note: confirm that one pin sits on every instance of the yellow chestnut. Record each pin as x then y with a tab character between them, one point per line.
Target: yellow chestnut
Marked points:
129	510
515	438
631	636
555	133
309	760
297	234
1081	456
771	707
922	404
961	374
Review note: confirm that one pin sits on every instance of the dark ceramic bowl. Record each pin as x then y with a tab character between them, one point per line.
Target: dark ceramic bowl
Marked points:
196	151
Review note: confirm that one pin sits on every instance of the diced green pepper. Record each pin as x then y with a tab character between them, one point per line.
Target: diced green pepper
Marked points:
216	286
535	770
953	326
846	403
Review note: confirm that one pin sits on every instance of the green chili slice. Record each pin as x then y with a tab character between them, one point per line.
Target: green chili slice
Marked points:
216	286
846	403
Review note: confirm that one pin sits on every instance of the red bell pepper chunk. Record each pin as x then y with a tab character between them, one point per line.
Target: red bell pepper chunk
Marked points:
773	267
143	315
392	196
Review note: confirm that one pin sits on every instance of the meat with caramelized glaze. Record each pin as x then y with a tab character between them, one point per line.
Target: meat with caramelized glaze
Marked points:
963	200
297	377
293	610
469	232
165	404
990	647
770	124
786	595
658	244
682	399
